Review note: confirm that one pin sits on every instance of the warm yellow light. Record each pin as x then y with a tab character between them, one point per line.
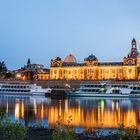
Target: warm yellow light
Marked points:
18	75
17	110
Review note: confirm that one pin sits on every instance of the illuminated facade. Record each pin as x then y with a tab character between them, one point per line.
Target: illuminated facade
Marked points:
92	69
33	72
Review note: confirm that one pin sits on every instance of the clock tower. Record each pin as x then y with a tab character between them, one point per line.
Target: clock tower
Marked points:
134	45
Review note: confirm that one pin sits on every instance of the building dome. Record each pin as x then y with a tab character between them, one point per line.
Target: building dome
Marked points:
70	59
91	58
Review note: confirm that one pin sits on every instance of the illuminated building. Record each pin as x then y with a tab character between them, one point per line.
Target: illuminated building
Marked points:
33	72
92	69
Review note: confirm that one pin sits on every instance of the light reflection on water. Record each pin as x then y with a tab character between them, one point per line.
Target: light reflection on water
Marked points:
86	112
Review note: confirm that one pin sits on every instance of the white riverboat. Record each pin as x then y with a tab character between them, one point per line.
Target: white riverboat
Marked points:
105	90
118	89
135	90
22	89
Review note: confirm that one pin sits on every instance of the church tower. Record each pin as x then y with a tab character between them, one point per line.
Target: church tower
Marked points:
132	56
134	45
28	63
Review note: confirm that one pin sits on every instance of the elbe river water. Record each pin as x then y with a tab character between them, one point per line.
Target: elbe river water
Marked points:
86	112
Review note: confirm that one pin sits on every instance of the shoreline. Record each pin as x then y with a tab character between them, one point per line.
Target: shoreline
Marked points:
69	84
41	133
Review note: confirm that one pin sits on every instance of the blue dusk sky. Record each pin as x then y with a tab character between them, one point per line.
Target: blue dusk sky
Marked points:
44	29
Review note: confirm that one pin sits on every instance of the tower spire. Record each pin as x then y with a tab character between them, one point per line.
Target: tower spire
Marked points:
134	45
28	62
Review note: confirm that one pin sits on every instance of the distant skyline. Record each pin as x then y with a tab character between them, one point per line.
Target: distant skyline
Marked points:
42	30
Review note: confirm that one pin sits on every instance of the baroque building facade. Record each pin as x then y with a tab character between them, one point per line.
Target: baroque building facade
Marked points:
92	69
32	72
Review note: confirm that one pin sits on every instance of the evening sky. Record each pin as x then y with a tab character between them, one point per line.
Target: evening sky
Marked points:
44	29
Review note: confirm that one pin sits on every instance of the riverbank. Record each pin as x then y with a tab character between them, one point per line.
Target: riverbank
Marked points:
62	84
66	84
46	134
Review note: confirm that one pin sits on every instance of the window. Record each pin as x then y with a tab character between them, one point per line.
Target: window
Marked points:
81	71
69	72
113	71
75	71
101	71
129	70
55	71
90	71
64	72
120	70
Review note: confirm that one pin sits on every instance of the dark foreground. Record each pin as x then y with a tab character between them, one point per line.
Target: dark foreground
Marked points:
46	134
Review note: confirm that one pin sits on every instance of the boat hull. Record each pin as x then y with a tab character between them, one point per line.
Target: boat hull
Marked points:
70	94
24	93
105	95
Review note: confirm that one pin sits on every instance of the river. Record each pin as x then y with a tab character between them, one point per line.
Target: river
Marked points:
86	112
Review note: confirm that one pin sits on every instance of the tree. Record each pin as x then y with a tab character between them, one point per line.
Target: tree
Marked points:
3	69
10	75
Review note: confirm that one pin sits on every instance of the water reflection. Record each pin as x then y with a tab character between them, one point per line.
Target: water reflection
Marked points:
86	113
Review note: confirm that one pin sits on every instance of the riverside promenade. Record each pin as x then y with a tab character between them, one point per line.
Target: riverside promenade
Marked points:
73	84
69	84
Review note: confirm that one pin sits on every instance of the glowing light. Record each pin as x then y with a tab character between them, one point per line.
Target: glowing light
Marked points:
35	106
18	75
17	110
22	109
7	107
42	111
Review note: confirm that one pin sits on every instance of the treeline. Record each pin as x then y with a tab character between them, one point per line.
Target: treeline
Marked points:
4	73
3	68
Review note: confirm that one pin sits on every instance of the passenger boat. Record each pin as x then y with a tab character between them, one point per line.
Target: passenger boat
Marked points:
135	91
118	89
22	89
105	90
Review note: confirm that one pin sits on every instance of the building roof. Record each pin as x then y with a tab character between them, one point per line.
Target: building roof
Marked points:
133	40
73	64
111	64
36	65
133	54
70	59
45	70
91	58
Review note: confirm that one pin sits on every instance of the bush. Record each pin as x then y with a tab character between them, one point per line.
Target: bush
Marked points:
69	133
57	134
64	133
11	131
129	133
